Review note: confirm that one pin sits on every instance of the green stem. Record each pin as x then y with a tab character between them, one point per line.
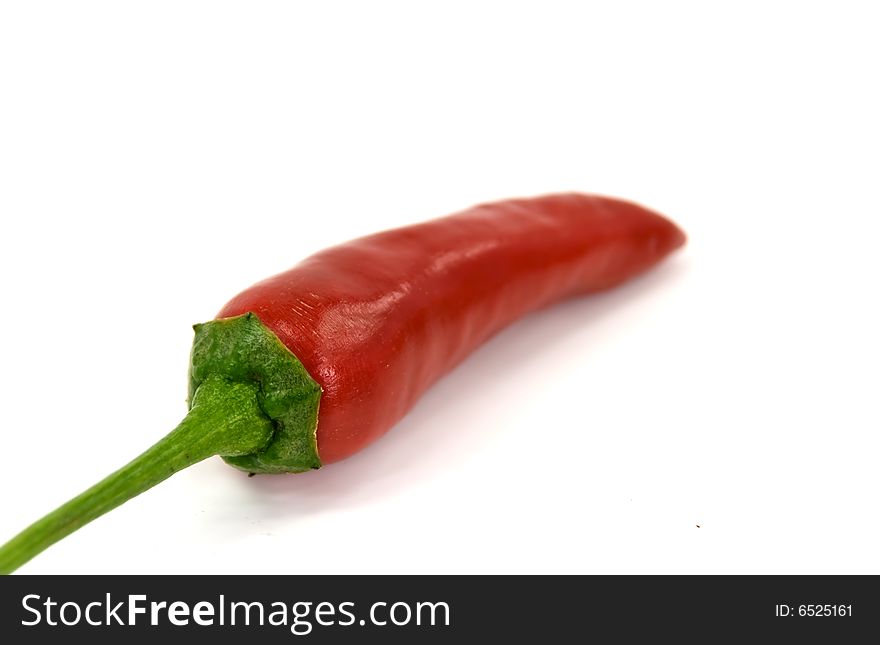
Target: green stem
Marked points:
225	419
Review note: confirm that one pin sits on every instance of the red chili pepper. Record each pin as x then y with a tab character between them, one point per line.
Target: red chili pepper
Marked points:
364	329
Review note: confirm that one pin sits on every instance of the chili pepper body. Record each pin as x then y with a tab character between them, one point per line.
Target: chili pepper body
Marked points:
376	321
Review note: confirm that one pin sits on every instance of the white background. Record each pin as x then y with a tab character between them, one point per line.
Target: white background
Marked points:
719	415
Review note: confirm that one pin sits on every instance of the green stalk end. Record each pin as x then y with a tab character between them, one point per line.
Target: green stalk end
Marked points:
251	401
225	419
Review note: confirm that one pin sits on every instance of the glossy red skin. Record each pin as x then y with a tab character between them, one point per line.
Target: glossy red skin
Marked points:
377	320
